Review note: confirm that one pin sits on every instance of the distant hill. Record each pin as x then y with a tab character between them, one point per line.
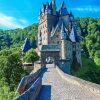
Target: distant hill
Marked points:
9	38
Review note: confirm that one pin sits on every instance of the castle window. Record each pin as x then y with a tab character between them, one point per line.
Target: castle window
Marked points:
57	36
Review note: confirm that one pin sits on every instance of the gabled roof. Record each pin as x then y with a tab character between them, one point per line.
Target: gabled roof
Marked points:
48	9
58	26
64	33
63	10
26	46
43	7
50	5
50	47
73	35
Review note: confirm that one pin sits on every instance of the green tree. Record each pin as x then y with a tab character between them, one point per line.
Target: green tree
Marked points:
97	57
11	70
31	56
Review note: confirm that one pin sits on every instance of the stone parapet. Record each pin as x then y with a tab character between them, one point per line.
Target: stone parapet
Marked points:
33	92
30	86
94	88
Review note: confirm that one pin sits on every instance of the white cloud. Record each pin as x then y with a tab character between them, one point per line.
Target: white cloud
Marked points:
88	8
11	22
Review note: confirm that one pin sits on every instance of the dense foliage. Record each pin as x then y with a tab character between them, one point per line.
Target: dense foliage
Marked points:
9	38
90	29
11	69
31	56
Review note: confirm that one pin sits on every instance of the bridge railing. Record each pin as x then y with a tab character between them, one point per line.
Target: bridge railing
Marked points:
94	88
30	86
32	92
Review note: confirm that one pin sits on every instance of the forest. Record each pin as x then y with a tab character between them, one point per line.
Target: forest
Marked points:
11	54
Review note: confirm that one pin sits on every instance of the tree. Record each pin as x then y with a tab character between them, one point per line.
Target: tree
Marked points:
11	70
31	56
97	57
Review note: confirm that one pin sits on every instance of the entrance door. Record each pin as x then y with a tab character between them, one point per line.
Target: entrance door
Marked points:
49	60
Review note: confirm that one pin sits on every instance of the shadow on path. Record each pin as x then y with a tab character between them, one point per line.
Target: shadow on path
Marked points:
45	93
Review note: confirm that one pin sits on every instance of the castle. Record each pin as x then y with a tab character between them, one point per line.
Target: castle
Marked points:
58	34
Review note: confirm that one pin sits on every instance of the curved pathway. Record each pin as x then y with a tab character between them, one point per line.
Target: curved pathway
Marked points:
55	88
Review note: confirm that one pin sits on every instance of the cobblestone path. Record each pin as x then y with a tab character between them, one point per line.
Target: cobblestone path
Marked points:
55	88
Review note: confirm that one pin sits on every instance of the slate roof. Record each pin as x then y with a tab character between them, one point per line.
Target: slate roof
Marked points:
63	10
64	33
50	47
43	7
73	35
58	26
26	46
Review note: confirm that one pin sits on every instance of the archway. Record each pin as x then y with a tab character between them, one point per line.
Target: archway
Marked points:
50	53
49	60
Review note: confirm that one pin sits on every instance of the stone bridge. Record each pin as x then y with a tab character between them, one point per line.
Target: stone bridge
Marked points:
55	87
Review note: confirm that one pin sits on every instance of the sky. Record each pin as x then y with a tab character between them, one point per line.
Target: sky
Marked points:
22	13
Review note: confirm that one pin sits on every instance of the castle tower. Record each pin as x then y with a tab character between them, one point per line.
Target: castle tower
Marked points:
66	47
54	7
47	20
64	14
76	47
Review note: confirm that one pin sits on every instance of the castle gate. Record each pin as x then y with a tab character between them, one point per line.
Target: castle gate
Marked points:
50	51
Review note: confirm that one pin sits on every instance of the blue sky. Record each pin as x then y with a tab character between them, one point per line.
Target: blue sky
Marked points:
22	13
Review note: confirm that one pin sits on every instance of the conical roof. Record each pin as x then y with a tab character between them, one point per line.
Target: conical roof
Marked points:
73	35
63	10
64	33
26	46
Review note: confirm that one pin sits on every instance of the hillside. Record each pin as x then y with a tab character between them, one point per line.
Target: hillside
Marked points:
90	42
90	29
9	38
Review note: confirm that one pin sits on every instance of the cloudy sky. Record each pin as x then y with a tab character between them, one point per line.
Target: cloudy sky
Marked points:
22	13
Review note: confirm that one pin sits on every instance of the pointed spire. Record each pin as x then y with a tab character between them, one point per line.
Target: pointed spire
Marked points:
47	10
43	8
63	5
54	7
73	35
71	16
26	46
50	5
63	9
64	34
